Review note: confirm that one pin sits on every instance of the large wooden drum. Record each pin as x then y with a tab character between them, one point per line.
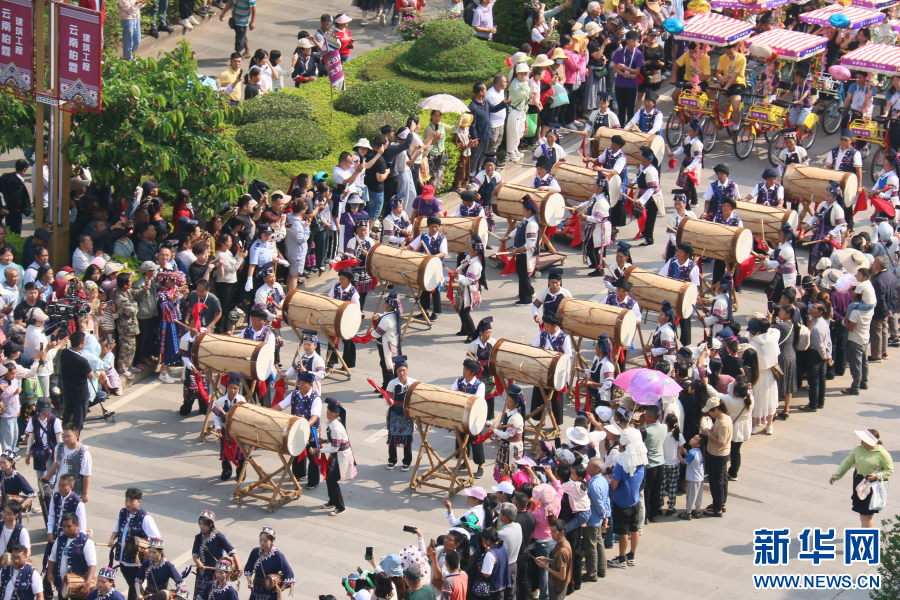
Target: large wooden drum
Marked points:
263	427
650	289
715	240
589	319
226	354
421	271
458	231
577	183
802	182
334	318
507	202
772	219
440	407
72	585
530	365
633	142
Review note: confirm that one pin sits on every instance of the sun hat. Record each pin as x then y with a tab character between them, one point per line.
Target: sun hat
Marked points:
613	429
711	404
305	43
578	436
476	492
592	29
363	143
867	437
541	60
149	265
341	19
522	68
558	53
390	564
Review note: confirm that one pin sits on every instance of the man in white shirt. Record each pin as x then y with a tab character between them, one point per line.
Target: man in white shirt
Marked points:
18	555
82	257
9	536
347	171
9	297
470	384
495	95
74	457
66	498
67	564
511	534
41	257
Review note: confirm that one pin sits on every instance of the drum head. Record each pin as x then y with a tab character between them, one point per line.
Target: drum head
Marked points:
615	190
431	272
658	146
348	320
849	189
553	210
483	230
742	245
264	361
298	436
477	416
688	299
626	324
560	372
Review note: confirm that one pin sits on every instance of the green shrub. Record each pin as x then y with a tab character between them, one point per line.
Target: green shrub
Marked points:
412	25
274	106
284	139
889	569
370	125
509	19
447	34
378	96
449	51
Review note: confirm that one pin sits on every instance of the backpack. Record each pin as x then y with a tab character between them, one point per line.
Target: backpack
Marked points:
802	338
469	14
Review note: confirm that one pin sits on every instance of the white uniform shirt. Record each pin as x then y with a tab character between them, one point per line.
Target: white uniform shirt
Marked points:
90	553
218	422
54	520
675	220
567	345
857	160
37	586
86	464
695	272
148	526
657	121
5	533
636	308
478	391
544	296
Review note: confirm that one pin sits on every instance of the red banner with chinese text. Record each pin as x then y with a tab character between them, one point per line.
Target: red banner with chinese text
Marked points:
80	48
17	47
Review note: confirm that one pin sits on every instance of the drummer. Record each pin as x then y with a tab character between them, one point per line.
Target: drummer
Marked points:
509	431
602	372
525	249
888	185
220	588
266	560
229	451
471	280
768	192
551	148
718	190
155	571
549	299
613	161
469	383
72	552
13	534
662	344
621	298
106	586
308	360
730	218
341	465
397	229
648	119
358	247
24	578
544	181
602	117
480	349
210	546
258	331
192	374
846	158
683	268
597	233
691	166
647	181
792	154
623	261
345	291
66	501
305	402
828	223
720	314
469	207
400	427
484	184
784	262
433	243
679	201
387	337
553	338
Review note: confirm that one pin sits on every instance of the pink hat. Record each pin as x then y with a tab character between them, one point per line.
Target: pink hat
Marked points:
476	492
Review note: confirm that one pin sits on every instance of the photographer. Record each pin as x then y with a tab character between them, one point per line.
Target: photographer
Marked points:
36	340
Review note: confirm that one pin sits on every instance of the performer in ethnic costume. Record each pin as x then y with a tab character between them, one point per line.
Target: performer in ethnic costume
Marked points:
847	159
77	549
258	331
647	182
602	117
21	580
543	181
662	344
192	390
792	154
509	432
132	522
525	249
469	383
720	313
345	290
220	588
264	561
621	298
730	218
433	243
171	299
12	482
602	373
768	191
64	502
683	268
484	184
308	360
341	464
155	572
647	121
623	261
827	224
397	229
358	247
555	339
46	431
270	297
229	450
400	427
467	291
679	201
550	149
784	262
613	161
597	229
549	299
305	402
387	336
481	348
13	532
468	207
718	190
888	185
692	164
105	590
210	546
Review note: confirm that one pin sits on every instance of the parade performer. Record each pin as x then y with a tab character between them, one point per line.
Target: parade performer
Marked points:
597	233
400	427
730	218
79	553
784	262
258	331
718	190
155	572
683	268
720	314
192	374
662	344
623	261
210	546
132	522
341	464
305	402
432	243
602	373
888	185
602	117
13	534
768	191
470	279
525	249
270	297
308	360
229	450
549	299
66	501
552	337
647	182
358	247
468	207
480	349
648	119
484	184
220	588
792	154
344	290
266	560
846	158
691	166
621	298
509	431
550	149
171	300
12	482
543	181
679	201
827	224
469	383
105	590
397	228
387	337
613	161
21	580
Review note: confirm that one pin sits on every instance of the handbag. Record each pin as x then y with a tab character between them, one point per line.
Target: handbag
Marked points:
777	372
531	125
802	338
601	72
482	588
879	493
560	95
231	23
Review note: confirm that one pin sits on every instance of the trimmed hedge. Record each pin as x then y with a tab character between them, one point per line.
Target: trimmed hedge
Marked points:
449	51
509	19
370	125
284	139
274	106
378	96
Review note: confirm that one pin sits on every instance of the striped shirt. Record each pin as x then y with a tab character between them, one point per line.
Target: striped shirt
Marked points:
241	11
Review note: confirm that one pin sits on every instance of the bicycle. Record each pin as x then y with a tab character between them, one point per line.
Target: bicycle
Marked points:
806	133
831	99
762	118
700	105
869	131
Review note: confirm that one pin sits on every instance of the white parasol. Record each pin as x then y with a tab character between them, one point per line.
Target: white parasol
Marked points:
444	103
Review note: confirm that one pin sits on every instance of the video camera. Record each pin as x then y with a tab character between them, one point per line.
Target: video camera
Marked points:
68	308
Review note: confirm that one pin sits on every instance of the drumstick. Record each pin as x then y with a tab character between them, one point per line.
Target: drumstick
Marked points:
815	242
472	355
762	230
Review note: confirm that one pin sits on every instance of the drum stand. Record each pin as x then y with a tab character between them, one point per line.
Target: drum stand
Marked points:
409	318
216	380
538	429
454	483
266	481
332	349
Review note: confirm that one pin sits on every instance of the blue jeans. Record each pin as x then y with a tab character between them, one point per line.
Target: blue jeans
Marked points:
543	548
131	37
9	433
160	9
579	519
373	207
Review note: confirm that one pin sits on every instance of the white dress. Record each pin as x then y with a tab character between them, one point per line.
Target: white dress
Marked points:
765	391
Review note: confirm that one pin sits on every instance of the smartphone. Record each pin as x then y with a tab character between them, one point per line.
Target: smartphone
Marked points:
409	529
359	570
109	338
369	552
771	306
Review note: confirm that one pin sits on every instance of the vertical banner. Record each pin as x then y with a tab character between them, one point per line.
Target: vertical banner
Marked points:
80	48
17	47
332	62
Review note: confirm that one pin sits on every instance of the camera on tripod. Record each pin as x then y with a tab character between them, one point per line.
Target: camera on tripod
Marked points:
70	307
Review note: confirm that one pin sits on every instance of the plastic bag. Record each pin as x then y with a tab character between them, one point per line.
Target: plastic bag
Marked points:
560	95
879	494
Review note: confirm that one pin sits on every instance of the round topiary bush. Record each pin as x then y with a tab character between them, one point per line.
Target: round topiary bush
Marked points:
449	51
378	96
283	105
370	125
284	140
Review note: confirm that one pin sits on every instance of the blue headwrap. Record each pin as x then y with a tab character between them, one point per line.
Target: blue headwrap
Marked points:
484	324
667	310
604	344
835	188
399	361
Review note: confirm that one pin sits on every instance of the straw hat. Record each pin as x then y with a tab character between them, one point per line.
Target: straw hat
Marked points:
592	29
558	53
541	60
853	261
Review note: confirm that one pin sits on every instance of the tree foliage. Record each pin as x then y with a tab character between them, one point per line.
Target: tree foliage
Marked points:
889	569
16	123
160	121
449	51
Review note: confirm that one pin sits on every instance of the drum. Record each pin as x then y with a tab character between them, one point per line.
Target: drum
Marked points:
530	365
273	582
772	219
577	183
226	354
650	289
334	318
589	319
421	271
802	182
135	545
715	240
263	427
72	585
440	407
458	230
507	202
633	142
